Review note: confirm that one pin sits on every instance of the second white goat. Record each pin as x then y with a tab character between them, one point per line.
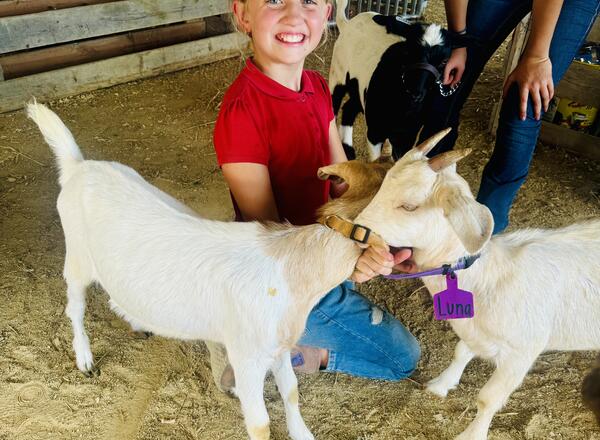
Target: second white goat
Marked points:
534	290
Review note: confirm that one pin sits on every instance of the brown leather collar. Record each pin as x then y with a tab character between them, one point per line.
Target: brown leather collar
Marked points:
353	231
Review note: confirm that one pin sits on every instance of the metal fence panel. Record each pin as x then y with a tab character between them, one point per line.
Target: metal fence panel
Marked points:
404	8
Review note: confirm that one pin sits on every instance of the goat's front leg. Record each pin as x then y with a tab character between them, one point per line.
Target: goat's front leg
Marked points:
250	375
509	374
288	388
450	377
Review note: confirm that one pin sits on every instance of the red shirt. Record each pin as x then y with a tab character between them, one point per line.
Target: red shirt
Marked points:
264	122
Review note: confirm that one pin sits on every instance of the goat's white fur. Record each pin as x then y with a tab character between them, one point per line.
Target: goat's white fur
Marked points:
433	35
168	271
534	290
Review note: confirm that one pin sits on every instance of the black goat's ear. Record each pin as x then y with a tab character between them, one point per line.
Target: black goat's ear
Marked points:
394	24
465	40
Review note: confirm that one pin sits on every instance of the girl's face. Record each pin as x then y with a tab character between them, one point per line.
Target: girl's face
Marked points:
282	31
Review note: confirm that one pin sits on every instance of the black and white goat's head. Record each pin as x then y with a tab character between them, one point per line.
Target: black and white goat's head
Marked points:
423	56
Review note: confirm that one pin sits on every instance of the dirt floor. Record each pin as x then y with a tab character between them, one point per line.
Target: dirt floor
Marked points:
162	389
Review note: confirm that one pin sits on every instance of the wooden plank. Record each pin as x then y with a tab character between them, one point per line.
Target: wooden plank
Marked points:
580	143
581	83
86	77
594	34
513	54
61	26
51	58
10	8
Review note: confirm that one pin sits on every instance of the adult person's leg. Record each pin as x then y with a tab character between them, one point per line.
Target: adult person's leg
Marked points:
516	139
361	339
490	21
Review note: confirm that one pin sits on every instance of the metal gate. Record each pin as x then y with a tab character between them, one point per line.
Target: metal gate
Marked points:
405	8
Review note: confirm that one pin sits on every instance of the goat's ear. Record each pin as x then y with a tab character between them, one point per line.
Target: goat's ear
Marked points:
465	40
331	172
342	171
472	221
393	24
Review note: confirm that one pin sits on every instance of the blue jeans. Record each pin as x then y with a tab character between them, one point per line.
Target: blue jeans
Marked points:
360	340
492	21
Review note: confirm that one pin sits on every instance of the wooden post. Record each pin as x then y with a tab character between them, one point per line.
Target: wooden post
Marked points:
516	46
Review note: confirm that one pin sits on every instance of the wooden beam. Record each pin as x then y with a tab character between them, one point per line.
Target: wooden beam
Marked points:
580	143
86	77
10	8
64	25
51	58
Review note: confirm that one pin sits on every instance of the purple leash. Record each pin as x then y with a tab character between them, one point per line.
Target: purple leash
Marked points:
462	263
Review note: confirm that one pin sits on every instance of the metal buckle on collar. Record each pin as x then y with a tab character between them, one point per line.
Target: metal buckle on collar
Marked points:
355	228
326	221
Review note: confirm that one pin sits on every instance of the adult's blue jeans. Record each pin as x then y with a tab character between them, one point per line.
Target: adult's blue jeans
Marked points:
492	21
362	339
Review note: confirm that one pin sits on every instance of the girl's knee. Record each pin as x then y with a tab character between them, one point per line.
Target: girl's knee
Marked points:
411	359
406	359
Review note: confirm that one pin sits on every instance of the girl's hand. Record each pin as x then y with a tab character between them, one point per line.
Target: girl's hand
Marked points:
373	261
403	261
534	77
455	67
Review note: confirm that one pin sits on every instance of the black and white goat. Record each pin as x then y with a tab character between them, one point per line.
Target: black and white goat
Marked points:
387	66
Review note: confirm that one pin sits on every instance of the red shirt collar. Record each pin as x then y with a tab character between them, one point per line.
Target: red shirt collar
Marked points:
272	87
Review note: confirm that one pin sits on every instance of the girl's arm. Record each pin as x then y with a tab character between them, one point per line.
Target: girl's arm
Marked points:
533	74
250	185
336	151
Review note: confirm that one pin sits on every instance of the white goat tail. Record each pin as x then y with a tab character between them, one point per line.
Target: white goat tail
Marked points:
340	14
58	136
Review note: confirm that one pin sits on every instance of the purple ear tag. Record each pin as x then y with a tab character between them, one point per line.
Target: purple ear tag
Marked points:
453	303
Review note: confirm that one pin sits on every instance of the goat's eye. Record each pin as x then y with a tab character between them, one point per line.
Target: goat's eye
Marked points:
408	207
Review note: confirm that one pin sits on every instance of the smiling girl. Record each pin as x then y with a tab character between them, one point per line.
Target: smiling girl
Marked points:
275	129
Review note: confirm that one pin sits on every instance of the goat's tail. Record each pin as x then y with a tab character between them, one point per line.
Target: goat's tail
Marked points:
340	14
58	137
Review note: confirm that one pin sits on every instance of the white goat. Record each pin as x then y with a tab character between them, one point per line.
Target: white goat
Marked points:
534	290
249	286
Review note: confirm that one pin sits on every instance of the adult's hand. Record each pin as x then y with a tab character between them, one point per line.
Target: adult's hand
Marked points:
455	67
534	78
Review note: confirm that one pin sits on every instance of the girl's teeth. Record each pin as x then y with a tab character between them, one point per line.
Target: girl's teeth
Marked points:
287	38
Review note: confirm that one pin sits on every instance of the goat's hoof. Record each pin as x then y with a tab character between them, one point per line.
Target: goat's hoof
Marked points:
84	360
139	334
92	372
437	387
